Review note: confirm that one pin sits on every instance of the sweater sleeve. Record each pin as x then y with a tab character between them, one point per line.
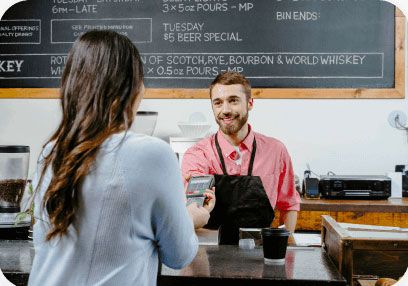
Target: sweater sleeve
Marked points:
158	176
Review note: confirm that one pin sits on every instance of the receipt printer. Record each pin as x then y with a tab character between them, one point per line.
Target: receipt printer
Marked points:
355	187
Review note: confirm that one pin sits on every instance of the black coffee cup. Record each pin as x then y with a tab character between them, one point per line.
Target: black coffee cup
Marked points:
275	242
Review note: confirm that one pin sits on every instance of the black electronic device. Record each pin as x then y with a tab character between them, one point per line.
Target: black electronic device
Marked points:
405	184
311	188
197	185
404	170
355	187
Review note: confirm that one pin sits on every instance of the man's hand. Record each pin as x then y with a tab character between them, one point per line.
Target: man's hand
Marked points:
187	177
209	202
289	218
199	215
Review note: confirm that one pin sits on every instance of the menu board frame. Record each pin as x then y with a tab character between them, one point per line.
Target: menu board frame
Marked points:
397	92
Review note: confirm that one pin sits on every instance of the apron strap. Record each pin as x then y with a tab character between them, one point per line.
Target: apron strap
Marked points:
251	162
224	170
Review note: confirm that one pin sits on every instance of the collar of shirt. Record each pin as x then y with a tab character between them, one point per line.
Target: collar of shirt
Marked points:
229	151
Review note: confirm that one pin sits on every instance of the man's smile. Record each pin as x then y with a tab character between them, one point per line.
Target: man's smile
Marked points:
228	119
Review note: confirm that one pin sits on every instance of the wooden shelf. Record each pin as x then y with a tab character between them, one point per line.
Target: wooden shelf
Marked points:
391	212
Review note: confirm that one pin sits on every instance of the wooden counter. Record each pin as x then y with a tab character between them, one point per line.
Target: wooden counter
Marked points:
391	212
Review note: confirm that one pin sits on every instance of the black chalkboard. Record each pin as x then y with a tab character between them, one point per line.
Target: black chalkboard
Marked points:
186	43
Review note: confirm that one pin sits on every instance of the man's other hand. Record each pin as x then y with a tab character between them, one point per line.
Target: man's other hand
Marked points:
209	202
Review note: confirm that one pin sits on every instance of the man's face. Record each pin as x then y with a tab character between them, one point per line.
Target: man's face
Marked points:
230	107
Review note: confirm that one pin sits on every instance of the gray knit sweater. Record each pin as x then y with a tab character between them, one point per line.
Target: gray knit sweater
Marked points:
131	210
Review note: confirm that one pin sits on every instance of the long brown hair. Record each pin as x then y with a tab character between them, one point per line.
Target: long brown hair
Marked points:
102	77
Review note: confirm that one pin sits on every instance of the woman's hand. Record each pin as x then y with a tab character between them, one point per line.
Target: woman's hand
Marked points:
198	214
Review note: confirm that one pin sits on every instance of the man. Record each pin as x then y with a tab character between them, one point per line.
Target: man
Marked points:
253	173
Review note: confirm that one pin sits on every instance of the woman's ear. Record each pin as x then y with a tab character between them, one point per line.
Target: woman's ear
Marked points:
139	98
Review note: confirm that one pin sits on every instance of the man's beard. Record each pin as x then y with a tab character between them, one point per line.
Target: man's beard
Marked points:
231	129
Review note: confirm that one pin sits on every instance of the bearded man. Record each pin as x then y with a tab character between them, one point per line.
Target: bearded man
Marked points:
253	173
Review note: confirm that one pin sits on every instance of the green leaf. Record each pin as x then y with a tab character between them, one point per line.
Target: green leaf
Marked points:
30	189
21	216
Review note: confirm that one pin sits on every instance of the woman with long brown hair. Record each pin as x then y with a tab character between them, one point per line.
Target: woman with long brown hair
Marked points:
108	201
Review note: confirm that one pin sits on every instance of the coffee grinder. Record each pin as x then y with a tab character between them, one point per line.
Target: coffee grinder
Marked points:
14	162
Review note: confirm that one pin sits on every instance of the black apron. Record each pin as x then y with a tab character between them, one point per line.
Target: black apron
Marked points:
241	201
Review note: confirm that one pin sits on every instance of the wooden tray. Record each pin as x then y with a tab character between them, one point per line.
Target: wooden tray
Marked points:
365	251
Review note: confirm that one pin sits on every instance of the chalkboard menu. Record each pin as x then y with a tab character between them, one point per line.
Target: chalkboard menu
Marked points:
186	43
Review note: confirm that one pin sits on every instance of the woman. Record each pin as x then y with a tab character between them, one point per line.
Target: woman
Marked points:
108	202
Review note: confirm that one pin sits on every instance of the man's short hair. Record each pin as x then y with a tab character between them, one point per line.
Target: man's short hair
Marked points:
230	78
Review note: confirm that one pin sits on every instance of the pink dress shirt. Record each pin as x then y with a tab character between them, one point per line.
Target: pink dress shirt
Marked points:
272	163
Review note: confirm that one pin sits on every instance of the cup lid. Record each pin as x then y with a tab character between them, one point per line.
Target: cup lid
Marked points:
275	231
14	149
